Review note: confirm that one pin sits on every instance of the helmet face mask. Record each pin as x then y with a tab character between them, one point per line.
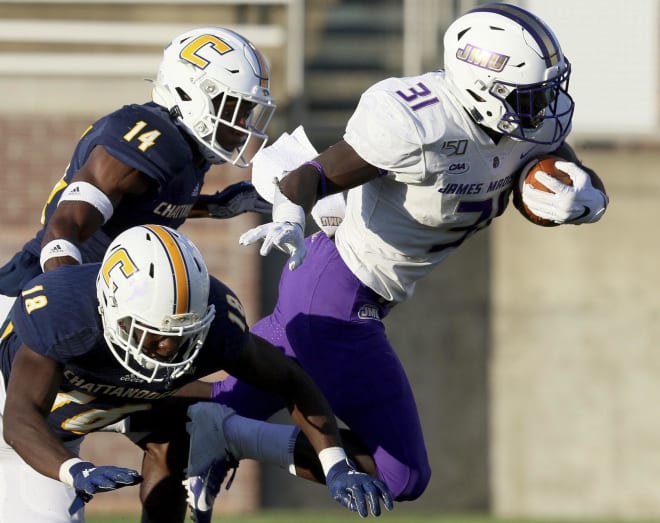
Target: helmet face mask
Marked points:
153	284
506	68
529	106
203	73
130	341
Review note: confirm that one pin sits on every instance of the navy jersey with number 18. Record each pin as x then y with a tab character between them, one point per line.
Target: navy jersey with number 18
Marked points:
96	390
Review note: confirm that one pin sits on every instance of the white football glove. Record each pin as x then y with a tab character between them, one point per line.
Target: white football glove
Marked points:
576	204
286	231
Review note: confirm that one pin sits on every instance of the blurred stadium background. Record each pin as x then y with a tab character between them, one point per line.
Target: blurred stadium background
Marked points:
533	352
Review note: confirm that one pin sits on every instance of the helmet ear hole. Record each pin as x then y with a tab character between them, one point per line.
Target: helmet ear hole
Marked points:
475	95
182	94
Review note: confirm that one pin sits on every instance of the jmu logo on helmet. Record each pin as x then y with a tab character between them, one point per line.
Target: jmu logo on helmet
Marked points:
482	58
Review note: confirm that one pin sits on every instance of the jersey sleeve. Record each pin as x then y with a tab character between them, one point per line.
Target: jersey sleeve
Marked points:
53	324
146	139
228	334
383	133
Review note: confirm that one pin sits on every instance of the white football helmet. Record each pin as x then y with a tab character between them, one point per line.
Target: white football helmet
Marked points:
211	77
153	280
507	69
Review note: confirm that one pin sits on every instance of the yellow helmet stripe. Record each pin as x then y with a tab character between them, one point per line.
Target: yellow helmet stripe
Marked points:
178	266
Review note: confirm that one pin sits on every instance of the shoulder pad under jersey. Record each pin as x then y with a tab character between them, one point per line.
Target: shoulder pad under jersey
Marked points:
146	138
229	330
54	322
386	129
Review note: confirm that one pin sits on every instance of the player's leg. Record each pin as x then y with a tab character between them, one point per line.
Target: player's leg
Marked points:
368	390
333	325
26	495
162	493
161	434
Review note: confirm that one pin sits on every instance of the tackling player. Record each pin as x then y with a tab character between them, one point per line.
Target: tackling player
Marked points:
146	163
141	325
427	161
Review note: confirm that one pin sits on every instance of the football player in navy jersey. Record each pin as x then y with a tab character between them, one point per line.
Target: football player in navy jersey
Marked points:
146	163
111	344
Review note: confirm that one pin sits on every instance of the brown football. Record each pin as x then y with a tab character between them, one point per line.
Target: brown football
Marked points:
547	165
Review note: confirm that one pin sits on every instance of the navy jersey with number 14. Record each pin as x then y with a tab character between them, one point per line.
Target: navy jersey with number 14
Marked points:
145	138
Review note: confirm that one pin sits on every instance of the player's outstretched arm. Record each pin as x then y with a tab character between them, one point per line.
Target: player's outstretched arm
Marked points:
31	390
336	169
233	200
333	171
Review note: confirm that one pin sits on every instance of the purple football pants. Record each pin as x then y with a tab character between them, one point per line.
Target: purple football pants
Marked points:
330	322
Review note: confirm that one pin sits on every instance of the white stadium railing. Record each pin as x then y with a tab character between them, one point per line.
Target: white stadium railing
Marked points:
38	32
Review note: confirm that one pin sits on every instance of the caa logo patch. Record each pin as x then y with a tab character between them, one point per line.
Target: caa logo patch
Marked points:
458	168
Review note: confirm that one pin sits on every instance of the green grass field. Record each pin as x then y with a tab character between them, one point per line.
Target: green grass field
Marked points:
307	516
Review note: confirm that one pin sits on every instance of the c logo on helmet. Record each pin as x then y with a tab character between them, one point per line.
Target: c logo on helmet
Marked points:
120	259
189	52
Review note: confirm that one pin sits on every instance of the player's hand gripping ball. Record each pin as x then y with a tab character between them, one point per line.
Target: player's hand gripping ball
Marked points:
544	164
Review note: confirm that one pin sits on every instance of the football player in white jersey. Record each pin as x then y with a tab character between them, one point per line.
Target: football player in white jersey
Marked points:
427	161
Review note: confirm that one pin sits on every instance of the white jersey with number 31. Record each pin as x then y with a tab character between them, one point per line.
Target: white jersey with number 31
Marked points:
443	179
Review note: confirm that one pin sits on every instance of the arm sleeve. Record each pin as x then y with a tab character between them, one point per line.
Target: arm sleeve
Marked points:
229	332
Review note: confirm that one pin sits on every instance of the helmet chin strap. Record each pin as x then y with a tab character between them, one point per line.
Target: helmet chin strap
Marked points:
492	134
213	156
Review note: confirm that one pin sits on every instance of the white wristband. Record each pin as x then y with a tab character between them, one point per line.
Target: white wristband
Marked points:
65	475
330	457
57	248
88	193
284	210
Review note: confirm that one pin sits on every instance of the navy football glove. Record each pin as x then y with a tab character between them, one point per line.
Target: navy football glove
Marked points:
357	491
89	479
234	200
